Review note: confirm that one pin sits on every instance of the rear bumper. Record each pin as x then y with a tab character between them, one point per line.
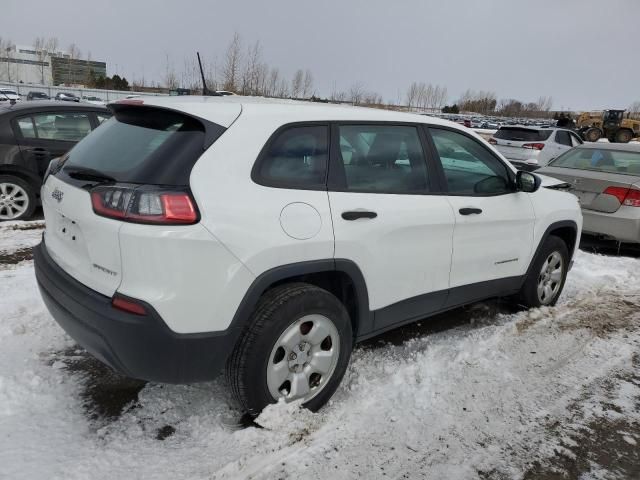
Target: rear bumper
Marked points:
136	346
622	226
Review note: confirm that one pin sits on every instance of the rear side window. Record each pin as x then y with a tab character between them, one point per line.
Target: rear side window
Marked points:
63	126
522	134
296	158
142	145
563	138
603	160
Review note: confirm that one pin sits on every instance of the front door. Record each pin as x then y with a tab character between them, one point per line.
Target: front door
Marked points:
493	235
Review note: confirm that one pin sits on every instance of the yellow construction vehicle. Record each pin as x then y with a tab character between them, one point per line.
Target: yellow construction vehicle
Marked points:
610	124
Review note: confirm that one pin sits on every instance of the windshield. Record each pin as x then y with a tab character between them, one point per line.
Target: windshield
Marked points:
614	161
8	92
519	134
141	145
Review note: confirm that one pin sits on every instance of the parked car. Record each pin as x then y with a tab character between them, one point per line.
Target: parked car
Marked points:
93	100
31	134
8	95
37	96
529	148
248	250
66	97
606	179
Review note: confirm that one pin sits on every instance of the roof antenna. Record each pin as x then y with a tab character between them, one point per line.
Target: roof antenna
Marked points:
205	91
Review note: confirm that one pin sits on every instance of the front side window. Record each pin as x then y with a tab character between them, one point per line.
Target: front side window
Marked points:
25	124
297	157
469	168
382	159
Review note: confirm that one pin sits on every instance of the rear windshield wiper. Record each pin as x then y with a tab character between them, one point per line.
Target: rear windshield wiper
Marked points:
84	173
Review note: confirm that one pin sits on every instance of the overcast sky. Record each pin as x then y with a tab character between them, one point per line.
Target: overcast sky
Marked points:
583	53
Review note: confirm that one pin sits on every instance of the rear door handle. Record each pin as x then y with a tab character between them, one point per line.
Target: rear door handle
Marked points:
356	214
470	211
40	151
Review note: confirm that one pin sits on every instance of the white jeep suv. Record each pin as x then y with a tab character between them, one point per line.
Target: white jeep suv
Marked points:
188	234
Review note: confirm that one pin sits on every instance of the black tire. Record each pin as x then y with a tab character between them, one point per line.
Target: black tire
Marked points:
30	201
592	134
277	310
529	296
623	136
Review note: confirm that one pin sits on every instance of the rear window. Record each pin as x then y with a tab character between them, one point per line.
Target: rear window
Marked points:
522	134
614	161
142	145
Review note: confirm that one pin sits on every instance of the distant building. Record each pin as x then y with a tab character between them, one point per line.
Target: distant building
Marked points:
27	65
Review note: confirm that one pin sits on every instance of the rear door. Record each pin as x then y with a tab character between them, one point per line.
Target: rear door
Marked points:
493	223
44	136
387	220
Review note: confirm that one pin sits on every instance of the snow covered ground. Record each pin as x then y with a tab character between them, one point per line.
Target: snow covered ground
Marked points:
497	395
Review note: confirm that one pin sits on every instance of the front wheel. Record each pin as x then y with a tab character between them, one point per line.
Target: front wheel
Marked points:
546	277
297	347
592	134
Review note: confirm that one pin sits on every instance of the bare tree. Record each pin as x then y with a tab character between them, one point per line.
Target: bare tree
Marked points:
307	84
170	76
296	84
7	49
40	46
232	63
74	53
634	109
337	95
252	71
356	92
52	46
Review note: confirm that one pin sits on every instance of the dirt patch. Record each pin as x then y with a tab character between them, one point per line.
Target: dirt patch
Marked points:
610	312
28	226
16	256
606	443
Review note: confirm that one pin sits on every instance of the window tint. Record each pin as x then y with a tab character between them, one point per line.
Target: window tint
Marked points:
142	145
297	157
520	134
469	168
383	159
563	138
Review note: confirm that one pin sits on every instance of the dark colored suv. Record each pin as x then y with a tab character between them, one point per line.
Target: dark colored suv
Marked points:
31	135
37	96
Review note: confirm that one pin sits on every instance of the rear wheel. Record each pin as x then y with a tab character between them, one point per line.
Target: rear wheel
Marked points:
592	134
297	347
623	136
547	274
17	198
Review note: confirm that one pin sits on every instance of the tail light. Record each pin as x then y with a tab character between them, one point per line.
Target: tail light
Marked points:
533	146
147	204
629	197
493	141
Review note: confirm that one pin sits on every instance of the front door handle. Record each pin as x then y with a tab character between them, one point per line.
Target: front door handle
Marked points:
470	211
356	214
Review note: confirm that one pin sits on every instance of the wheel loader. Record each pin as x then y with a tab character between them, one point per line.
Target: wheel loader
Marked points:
610	124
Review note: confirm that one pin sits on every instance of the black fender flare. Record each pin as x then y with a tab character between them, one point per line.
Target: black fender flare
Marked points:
552	227
292	270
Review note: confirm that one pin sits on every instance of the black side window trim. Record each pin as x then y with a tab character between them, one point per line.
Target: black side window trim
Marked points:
264	151
441	175
337	179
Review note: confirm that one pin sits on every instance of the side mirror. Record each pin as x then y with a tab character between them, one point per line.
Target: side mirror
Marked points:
527	182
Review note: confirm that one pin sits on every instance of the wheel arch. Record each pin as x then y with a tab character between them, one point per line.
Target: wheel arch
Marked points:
566	230
24	174
341	277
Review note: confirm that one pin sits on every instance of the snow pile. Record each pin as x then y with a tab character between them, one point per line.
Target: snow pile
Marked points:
481	399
